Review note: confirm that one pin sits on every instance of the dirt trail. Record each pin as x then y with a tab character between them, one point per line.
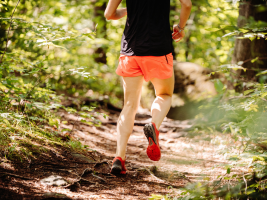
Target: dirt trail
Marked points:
185	158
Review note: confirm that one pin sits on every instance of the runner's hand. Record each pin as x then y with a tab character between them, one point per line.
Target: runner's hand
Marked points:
176	35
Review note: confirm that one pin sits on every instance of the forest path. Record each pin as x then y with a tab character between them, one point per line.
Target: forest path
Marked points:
185	158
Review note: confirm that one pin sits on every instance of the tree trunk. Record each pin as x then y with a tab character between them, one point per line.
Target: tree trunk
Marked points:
101	30
245	49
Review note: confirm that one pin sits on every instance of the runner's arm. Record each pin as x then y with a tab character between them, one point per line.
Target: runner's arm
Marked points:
178	34
185	12
112	12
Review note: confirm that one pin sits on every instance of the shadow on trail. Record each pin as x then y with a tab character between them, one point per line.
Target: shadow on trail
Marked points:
87	170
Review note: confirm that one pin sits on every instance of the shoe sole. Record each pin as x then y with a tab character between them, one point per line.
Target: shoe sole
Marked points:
153	150
150	133
116	168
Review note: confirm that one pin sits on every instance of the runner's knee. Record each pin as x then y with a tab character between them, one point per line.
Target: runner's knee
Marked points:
131	105
164	93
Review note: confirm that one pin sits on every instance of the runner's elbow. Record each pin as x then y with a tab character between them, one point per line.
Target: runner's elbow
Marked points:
108	15
186	3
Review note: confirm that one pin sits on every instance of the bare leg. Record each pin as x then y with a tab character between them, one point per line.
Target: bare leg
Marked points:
162	103
132	93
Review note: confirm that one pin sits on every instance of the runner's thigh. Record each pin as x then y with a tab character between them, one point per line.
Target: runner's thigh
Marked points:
132	87
163	86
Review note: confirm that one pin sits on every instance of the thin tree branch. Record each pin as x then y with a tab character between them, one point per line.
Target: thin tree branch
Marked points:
9	30
14	29
240	97
260	58
16	176
245	183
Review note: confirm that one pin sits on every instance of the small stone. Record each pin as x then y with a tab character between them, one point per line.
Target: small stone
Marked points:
161	137
75	187
82	157
54	180
52	195
102	167
170	141
178	135
153	168
164	130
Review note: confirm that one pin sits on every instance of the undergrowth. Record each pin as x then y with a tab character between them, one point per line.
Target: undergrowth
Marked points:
28	121
243	117
240	110
25	135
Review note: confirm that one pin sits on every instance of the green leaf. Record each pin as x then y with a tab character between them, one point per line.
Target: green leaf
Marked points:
53	121
29	105
231	33
71	110
248	91
218	85
6	121
255	158
261	73
86	108
213	30
232	130
228	170
86	122
65	129
240	63
252	38
255	185
254	60
250	192
264	94
156	197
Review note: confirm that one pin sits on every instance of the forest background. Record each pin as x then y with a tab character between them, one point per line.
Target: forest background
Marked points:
52	50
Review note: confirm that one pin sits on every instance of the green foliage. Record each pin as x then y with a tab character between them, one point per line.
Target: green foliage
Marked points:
37	60
242	114
158	197
50	47
54	41
58	36
204	43
75	144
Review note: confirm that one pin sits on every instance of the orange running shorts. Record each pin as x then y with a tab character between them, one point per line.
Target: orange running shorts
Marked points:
160	67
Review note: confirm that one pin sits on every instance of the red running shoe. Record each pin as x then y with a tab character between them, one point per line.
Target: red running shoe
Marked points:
118	166
152	135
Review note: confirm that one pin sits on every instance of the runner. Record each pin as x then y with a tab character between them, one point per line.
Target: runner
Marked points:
146	54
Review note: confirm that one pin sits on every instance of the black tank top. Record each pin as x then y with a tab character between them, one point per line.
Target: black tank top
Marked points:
147	31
